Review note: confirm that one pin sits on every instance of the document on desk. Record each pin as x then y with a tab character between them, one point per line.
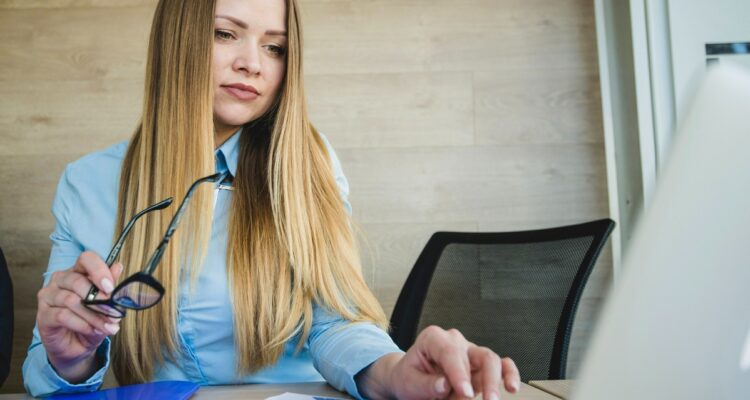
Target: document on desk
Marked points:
297	396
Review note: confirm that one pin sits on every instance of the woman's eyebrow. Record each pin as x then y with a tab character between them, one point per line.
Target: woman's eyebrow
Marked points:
242	24
236	21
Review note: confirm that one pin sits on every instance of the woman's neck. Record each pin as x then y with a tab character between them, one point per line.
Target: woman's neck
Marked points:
222	133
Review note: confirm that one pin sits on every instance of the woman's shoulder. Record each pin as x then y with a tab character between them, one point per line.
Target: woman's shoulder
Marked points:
338	171
86	199
98	163
92	179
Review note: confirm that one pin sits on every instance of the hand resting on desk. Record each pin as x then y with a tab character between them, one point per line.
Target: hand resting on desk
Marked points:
441	364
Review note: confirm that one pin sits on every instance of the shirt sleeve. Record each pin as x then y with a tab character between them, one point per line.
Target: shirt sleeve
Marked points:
341	349
39	377
338	174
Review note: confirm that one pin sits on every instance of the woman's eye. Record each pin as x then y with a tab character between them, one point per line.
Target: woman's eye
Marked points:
278	50
223	35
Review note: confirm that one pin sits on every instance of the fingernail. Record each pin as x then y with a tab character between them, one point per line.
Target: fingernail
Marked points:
440	386
494	396
114	320
467	389
516	386
112	328
98	332
107	286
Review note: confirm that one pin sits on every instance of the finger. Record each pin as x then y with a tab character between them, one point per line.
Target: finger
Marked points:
117	269
90	264
448	350
102	324
76	283
511	376
487	365
67	319
428	386
476	381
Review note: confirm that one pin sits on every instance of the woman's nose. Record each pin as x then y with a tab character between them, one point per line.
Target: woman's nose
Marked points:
248	61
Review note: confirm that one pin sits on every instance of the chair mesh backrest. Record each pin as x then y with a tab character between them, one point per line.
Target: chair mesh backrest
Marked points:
510	299
517	297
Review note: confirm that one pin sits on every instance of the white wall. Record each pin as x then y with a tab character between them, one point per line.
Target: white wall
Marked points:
651	54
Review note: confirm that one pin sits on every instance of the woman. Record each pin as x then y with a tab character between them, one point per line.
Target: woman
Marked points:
263	282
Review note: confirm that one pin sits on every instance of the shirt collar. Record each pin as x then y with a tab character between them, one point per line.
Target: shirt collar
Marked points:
227	154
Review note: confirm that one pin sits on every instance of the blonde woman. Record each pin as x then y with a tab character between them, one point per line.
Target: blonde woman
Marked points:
262	281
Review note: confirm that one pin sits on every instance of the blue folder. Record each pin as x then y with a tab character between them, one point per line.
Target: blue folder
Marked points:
177	390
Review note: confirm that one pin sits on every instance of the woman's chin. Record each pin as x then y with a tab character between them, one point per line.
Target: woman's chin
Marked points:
235	118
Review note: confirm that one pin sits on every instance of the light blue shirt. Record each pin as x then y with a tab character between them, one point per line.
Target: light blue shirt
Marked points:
84	208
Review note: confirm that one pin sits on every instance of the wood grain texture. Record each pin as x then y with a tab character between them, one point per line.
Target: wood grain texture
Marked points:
54	118
443	184
445	35
46	46
538	105
472	115
562	389
394	110
67	4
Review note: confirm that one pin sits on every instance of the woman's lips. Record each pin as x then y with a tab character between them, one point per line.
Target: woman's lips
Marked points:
240	94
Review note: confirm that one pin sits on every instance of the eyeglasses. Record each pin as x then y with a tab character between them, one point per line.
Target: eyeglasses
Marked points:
141	290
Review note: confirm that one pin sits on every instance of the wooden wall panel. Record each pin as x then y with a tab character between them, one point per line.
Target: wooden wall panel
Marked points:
464	183
446	35
538	105
63	117
471	115
393	110
72	43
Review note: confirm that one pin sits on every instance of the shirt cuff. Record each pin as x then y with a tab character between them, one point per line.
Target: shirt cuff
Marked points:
41	379
366	344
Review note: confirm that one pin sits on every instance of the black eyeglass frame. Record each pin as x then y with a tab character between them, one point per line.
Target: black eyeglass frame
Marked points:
144	276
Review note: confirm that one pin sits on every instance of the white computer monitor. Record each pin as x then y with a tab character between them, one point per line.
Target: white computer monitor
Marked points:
677	323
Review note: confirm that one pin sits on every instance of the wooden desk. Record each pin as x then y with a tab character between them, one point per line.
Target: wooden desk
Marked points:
260	392
561	389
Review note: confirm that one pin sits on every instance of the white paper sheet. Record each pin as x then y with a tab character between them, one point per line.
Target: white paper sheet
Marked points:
297	396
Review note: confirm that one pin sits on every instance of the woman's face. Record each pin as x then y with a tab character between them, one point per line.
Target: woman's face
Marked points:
249	60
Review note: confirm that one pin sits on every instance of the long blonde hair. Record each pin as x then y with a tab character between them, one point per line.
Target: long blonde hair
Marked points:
290	245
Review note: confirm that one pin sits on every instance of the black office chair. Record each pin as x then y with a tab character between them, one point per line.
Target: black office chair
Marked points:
6	319
514	292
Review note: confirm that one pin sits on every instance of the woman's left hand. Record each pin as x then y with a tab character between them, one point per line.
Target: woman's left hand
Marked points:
443	364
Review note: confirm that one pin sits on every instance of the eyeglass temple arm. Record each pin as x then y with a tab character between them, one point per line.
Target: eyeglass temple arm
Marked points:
121	240
159	252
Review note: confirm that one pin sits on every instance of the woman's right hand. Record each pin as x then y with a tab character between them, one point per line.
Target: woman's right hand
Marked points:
70	332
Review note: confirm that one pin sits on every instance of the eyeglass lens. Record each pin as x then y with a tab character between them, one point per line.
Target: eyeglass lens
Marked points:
107	310
136	295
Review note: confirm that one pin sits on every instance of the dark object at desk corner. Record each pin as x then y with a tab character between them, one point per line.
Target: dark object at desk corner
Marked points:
6	319
514	292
